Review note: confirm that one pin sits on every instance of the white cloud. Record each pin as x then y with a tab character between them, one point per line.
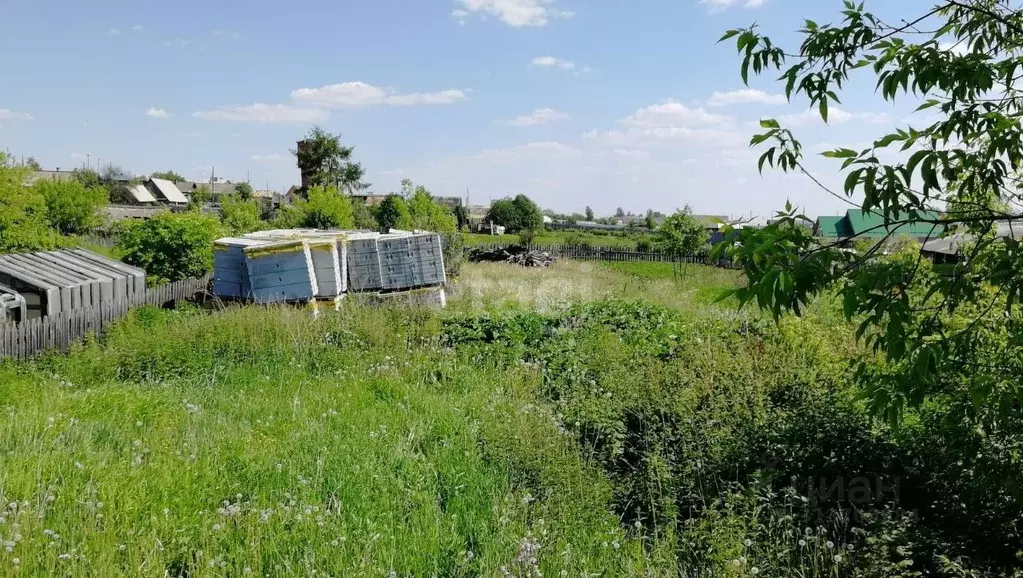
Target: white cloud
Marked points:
745	96
553	62
192	134
719	5
271	113
957	47
633	154
157	113
670	121
674	114
460	16
515	13
360	94
137	27
538	116
533	150
6	114
113	32
270	158
835	116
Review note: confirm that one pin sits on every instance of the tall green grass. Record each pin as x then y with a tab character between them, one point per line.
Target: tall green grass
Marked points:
264	442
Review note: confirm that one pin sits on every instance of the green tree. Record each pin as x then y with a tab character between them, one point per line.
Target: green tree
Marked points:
462	217
239	215
243	190
170	246
619	212
682	235
948	333
327	162
650	221
517	215
393	213
32	164
71	208
200	196
288	216
167	176
87	177
589	214
428	215
363	216
23	224
502	212
326	208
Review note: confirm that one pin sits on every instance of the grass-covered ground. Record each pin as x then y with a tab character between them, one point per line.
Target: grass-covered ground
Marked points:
582	420
623	241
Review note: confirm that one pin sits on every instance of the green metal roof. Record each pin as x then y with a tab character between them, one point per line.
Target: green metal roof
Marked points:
870	225
832	227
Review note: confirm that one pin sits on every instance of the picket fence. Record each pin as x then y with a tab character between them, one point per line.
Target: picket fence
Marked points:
60	331
614	254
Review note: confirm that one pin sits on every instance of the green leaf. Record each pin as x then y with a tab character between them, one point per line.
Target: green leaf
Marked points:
823	107
730	34
769	123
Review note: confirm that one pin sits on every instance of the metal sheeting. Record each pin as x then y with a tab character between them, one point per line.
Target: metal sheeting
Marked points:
169	191
953	243
55	281
141	194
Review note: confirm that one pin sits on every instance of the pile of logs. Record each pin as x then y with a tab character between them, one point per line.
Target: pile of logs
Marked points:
516	255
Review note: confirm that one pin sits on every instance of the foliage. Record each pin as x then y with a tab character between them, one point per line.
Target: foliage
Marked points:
393	213
200	196
326	208
23	220
363	216
650	222
71	208
957	328
516	214
328	163
170	246
243	190
462	217
682	235
589	213
239	215
429	215
89	178
288	216
32	164
167	176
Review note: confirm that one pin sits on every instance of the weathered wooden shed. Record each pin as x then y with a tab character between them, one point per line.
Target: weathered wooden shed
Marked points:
54	281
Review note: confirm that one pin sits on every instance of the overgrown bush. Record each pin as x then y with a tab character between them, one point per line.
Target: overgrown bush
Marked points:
239	215
23	213
72	208
170	246
748	442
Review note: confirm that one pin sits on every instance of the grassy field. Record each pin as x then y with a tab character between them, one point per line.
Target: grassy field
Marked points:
581	420
556	238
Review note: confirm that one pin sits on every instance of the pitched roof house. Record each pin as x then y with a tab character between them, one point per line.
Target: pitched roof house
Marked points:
870	225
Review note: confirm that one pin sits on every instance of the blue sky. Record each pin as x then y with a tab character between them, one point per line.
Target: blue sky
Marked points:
604	103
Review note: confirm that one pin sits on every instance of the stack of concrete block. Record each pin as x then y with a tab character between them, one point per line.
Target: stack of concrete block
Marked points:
410	261
281	271
230	269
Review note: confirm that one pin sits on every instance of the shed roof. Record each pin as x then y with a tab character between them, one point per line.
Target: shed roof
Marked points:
953	243
141	194
168	191
832	227
869	224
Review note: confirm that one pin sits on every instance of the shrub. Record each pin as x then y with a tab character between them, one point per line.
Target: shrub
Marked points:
170	246
239	215
326	208
393	213
23	224
72	208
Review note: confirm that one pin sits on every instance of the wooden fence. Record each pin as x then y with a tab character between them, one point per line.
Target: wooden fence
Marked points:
615	254
25	339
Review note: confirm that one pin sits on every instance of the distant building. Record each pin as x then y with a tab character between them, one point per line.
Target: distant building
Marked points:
216	189
857	223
